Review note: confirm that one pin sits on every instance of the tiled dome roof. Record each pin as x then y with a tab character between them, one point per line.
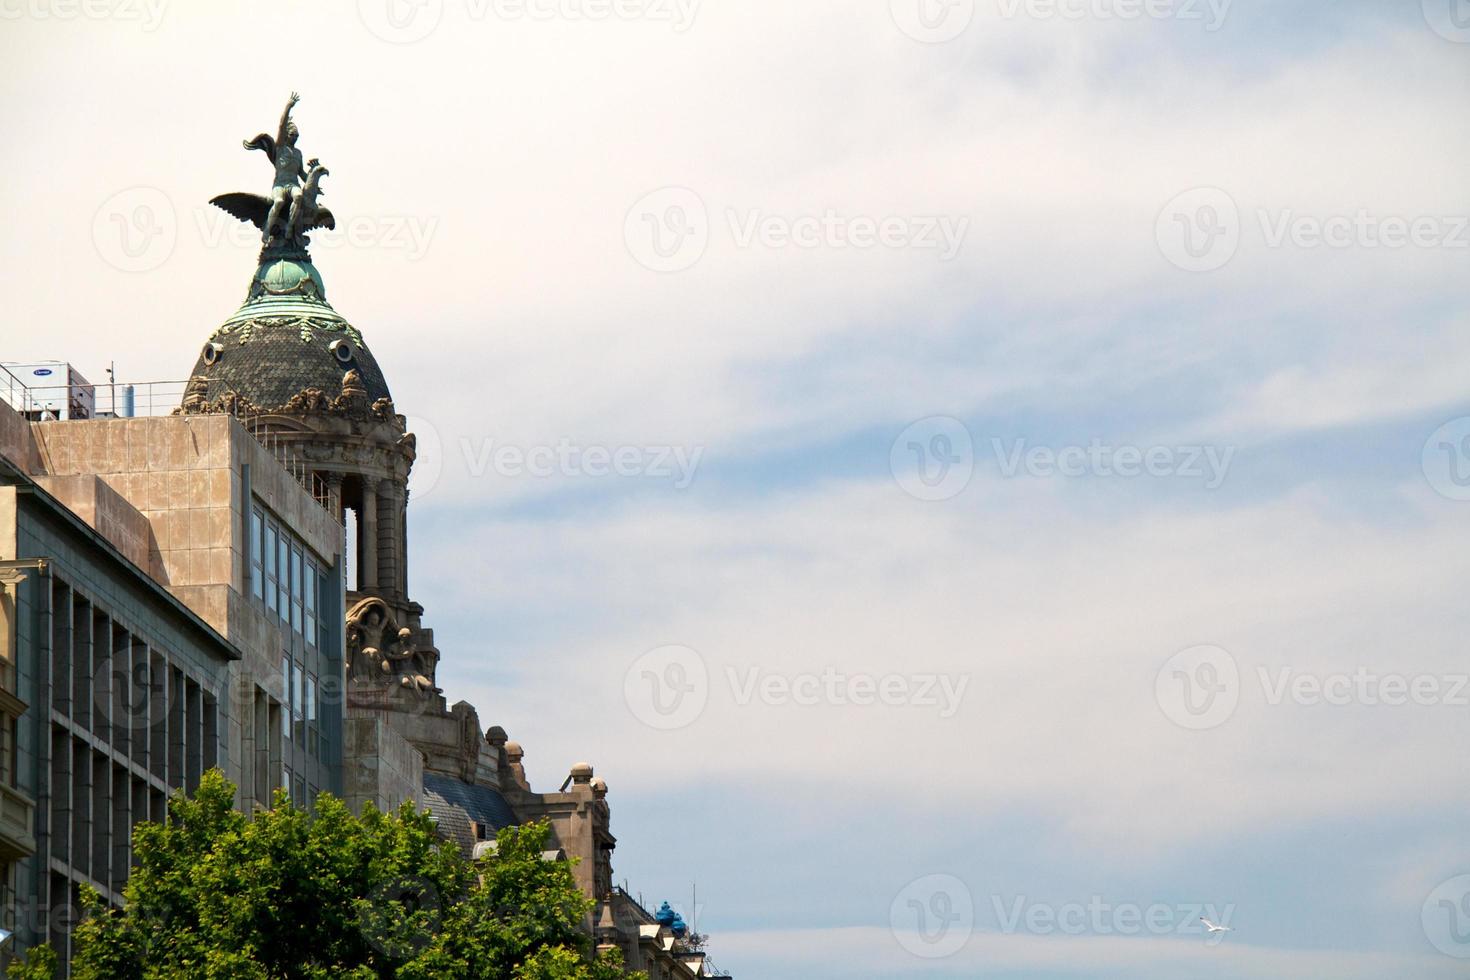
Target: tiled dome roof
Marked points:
285	338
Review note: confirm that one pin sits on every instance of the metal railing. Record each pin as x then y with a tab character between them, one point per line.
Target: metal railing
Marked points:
148	399
42	403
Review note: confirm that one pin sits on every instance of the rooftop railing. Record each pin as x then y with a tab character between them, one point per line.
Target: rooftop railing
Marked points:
45	403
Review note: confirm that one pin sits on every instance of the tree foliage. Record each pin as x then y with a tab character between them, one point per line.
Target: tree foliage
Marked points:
297	895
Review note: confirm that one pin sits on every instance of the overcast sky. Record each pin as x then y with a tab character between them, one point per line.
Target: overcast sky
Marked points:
1024	441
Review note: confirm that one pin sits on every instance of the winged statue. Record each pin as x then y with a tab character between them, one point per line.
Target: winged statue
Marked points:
292	210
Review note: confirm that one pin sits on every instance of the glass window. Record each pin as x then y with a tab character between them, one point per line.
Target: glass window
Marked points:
310	590
298	703
283	555
310	700
270	566
257	529
296	589
286	671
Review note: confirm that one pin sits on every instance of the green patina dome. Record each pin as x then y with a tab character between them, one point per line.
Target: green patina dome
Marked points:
284	339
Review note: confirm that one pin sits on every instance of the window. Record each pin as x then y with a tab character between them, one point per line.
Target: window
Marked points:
257	571
286	671
270	566
311	733
296	589
310	589
283	555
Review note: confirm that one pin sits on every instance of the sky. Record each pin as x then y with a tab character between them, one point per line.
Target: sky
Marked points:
984	481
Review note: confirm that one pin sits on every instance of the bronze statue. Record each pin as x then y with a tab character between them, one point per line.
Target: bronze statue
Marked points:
291	211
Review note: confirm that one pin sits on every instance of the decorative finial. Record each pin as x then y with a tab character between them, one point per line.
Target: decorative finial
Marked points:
292	210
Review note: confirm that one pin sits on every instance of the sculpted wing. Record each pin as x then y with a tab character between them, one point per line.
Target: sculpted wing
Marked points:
322	219
247	207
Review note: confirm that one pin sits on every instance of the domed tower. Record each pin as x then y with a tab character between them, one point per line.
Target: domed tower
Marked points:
304	382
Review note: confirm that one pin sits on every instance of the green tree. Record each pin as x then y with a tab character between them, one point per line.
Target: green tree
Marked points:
297	895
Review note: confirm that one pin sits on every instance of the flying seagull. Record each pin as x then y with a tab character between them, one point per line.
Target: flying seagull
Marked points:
1211	927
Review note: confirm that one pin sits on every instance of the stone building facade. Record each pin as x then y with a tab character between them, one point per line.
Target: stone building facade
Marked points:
248	557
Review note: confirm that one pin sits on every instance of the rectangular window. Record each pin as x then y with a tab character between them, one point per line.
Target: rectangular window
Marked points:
257	571
296	587
286	669
283	556
270	566
310	590
310	699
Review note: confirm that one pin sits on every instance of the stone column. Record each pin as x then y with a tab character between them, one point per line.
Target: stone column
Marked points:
403	544
388	550
367	556
334	496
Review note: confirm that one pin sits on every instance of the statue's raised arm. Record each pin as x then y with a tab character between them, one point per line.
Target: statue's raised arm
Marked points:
286	127
291	210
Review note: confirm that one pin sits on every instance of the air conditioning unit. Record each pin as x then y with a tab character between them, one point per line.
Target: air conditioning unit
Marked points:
47	390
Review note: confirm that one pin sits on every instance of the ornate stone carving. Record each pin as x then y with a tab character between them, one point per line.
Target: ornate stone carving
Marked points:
380	652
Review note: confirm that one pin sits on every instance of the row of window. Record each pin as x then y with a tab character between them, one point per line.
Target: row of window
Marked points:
284	576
